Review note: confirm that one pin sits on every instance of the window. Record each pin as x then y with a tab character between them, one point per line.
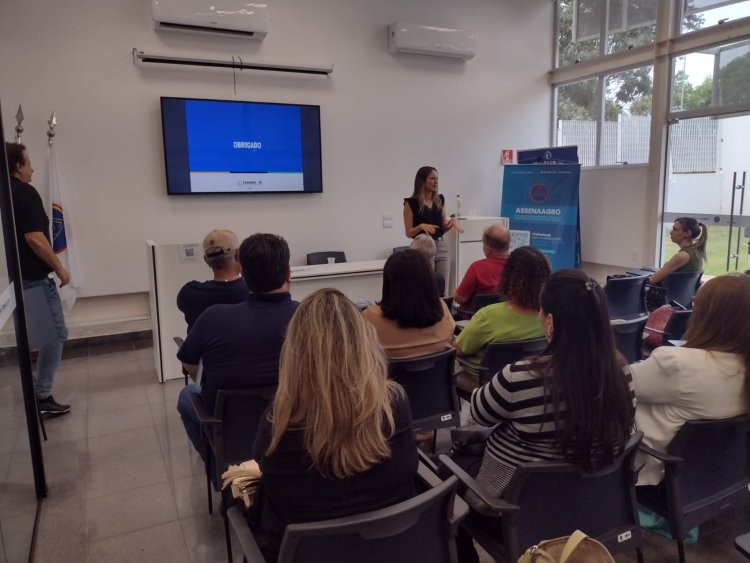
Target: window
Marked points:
627	117
699	14
577	116
580	35
718	76
624	135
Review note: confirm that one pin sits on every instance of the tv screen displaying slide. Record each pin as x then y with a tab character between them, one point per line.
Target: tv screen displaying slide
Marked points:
219	147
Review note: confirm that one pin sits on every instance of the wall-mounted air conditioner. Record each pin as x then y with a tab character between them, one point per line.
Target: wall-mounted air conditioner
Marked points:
429	40
238	18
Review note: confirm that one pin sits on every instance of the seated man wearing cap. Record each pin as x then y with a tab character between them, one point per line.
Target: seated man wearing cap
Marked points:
483	276
220	253
240	344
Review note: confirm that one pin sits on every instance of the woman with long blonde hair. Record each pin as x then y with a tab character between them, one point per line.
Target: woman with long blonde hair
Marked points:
338	438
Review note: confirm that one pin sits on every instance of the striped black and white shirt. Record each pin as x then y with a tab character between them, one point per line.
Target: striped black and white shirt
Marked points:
515	400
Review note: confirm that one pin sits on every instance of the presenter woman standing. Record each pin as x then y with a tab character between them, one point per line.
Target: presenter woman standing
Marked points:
691	236
424	212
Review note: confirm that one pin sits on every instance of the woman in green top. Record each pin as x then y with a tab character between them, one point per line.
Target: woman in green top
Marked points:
517	318
691	236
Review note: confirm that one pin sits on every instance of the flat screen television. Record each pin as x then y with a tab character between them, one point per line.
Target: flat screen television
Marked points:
220	147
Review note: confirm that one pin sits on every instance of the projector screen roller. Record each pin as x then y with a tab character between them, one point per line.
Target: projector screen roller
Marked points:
215	147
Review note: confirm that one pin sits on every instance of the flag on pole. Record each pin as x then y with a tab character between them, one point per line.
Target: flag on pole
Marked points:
63	242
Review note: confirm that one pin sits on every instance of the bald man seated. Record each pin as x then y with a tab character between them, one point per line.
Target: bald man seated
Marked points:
484	275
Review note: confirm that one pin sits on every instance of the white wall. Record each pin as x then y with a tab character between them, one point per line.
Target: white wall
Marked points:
615	215
382	117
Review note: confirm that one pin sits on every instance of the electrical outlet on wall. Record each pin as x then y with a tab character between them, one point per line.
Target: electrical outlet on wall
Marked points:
387	221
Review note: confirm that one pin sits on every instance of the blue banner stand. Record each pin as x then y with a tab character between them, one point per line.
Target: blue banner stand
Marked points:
543	199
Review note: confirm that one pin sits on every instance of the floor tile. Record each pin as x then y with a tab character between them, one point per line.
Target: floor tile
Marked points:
125	512
17	532
119	421
121	446
62	531
156	544
204	536
133	472
116	399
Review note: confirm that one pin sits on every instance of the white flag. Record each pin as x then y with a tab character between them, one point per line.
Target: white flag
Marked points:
62	235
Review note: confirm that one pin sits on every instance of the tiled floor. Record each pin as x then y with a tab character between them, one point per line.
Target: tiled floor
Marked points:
125	485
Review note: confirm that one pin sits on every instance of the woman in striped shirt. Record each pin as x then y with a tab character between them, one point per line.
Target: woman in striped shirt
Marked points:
574	403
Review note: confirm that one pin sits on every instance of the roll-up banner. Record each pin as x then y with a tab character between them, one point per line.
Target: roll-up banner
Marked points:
543	200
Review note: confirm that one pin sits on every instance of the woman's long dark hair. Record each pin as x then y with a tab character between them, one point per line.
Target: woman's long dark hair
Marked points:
591	399
410	294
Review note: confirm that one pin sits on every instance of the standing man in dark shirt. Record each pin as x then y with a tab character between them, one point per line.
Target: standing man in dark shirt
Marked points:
220	253
38	261
240	344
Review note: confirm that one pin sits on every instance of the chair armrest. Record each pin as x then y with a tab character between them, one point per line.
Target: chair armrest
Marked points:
426	460
201	412
427	472
179	341
239	525
661	456
466	363
497	505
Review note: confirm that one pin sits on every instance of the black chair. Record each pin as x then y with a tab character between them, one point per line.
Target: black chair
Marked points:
628	335
400	248
742	543
677	325
626	296
422	528
681	286
552	499
706	473
497	355
428	382
229	435
322	257
477	302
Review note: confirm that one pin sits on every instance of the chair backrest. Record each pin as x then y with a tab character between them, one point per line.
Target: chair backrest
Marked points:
240	412
629	337
626	296
677	324
681	286
400	248
417	529
555	499
497	355
716	464
428	382
483	299
323	256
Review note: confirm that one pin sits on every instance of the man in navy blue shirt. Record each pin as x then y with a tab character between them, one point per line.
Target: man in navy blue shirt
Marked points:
240	344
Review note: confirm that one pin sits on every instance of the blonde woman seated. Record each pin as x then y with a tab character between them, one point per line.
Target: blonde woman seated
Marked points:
410	320
706	378
515	319
691	236
338	438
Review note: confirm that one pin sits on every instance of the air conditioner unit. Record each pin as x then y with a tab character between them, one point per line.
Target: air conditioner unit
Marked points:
429	40
226	17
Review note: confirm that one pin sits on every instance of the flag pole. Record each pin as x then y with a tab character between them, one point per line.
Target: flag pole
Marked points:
52	122
19	120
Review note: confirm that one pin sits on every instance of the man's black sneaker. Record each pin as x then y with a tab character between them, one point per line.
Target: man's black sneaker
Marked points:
50	406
